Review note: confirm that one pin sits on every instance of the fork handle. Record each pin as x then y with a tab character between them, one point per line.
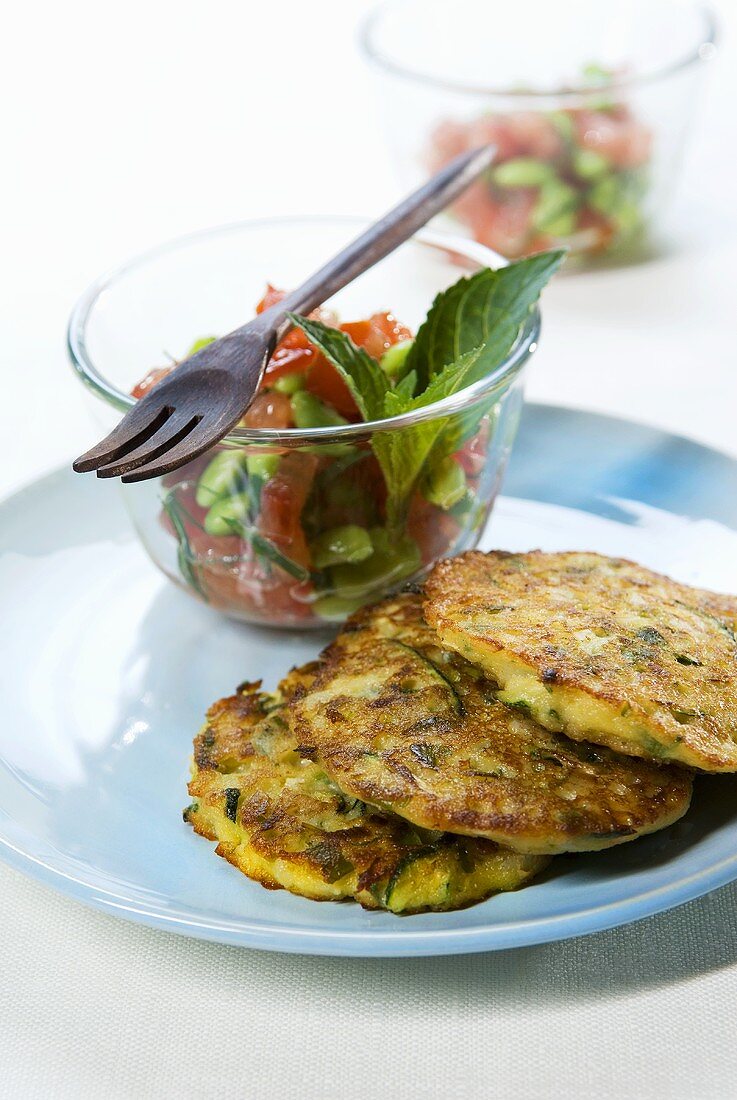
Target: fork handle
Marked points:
383	237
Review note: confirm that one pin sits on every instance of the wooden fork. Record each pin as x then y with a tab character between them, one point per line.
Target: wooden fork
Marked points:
205	396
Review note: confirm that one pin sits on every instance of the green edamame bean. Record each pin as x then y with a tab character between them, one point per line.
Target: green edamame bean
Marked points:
310	412
394	358
290	383
228	515
590	165
349	543
522	172
225	474
444	483
263	466
564	124
562	226
556	198
393	559
628	217
336	608
605	196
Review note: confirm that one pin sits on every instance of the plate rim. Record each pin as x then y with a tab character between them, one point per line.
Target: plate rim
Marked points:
265	936
33	860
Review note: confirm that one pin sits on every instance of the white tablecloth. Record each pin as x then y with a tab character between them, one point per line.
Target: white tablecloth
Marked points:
109	117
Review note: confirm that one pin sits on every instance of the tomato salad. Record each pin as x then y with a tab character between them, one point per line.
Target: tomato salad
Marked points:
301	535
296	530
575	176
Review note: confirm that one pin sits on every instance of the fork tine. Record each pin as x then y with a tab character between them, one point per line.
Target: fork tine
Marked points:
174	429
135	428
194	444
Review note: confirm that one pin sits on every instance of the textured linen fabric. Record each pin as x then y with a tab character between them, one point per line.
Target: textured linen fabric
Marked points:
93	1006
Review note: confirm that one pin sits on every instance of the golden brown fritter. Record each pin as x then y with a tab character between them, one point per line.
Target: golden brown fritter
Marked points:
396	720
724	607
600	648
280	820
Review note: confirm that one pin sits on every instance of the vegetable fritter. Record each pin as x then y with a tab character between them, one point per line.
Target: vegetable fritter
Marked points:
280	820
600	648
398	721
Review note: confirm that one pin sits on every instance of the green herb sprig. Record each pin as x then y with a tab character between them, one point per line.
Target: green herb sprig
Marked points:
469	332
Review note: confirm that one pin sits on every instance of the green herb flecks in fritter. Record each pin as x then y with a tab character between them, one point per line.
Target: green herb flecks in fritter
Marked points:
398	721
600	648
277	817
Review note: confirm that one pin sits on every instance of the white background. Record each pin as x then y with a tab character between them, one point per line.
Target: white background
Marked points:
122	125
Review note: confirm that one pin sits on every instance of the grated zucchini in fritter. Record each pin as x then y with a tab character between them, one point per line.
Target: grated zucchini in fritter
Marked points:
398	721
599	648
278	817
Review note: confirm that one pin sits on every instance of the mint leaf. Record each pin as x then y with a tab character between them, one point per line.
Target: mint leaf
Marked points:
483	311
469	331
402	454
364	377
403	390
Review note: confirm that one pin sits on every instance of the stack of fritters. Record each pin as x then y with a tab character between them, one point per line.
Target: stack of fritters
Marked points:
448	742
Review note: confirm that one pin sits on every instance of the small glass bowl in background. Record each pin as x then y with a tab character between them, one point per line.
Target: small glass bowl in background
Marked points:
587	101
289	527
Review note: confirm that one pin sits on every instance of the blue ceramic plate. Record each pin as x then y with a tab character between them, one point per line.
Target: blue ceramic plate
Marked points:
107	671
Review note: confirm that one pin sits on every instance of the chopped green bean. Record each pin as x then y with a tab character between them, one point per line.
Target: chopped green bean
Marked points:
628	217
350	543
556	198
444	483
522	172
605	195
336	608
310	412
392	561
262	465
562	226
229	515
393	360
290	383
225	474
564	124
590	165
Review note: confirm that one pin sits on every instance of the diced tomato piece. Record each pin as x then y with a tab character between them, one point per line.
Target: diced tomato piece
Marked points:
379	333
433	530
475	204
271	296
269	410
274	295
242	584
363	336
472	455
150	380
503	225
498	130
393	330
288	360
282	499
324	381
449	139
624	141
535	135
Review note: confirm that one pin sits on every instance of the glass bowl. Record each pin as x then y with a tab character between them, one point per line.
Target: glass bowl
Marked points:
291	527
588	103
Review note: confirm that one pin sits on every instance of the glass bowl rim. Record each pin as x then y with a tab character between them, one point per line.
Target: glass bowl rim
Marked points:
499	378
702	51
